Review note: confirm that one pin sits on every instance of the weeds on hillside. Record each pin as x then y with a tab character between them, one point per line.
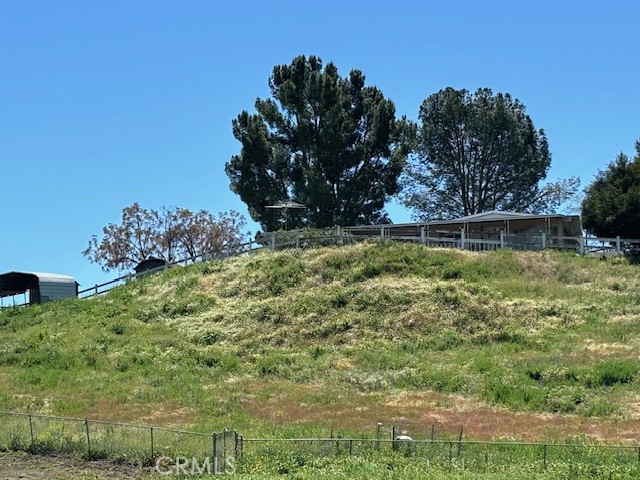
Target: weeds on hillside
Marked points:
529	331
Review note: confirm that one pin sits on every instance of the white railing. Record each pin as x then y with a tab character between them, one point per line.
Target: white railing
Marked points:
584	245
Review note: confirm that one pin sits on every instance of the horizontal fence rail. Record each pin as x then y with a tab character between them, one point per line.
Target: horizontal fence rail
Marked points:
229	251
584	245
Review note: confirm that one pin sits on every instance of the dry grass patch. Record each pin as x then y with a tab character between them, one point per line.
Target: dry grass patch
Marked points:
418	412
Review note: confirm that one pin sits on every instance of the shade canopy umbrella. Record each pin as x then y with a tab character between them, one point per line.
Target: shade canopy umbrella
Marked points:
285	206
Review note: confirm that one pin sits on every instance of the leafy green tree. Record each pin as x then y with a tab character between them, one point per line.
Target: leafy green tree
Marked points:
611	206
329	143
479	152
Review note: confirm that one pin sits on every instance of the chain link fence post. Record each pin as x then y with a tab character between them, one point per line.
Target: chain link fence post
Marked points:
86	429
33	443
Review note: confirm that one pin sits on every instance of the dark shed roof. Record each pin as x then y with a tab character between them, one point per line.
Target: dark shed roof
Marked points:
150	263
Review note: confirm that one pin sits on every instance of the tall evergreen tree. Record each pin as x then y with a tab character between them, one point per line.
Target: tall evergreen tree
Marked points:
329	143
611	206
479	152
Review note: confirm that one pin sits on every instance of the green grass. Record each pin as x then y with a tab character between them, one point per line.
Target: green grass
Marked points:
257	343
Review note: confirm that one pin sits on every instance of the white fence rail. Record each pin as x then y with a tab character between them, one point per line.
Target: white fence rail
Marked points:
584	245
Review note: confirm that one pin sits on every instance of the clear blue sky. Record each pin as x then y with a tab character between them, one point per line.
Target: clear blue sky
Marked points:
103	104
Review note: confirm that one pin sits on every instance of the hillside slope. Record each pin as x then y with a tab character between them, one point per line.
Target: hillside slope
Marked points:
342	338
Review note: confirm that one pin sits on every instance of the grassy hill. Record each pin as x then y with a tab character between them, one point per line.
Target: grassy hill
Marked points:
506	344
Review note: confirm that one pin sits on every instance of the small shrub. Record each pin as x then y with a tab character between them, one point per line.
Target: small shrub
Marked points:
117	328
611	372
565	399
317	352
451	273
211	337
146	314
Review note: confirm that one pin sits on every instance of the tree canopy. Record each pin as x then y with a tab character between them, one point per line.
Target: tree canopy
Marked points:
329	143
169	233
611	206
479	152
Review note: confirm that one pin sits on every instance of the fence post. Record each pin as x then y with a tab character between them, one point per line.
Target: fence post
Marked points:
450	452
96	289
350	446
241	446
31	431
273	240
393	438
86	429
152	452
423	235
544	240
618	251
235	444
460	442
378	431
297	238
582	241
501	238
224	449
433	432
544	455
463	236
381	232
214	451
338	235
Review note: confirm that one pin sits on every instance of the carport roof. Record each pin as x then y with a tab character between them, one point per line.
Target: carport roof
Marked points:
14	283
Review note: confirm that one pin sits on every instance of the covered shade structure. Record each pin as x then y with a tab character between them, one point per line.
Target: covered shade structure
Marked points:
485	225
40	287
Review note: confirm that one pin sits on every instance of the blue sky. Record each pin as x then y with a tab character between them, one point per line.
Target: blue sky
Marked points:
103	104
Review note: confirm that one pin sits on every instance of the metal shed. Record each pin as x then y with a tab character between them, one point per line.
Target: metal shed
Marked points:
40	287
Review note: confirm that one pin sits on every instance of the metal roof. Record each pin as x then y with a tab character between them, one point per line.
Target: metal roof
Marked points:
14	283
490	216
498	216
53	277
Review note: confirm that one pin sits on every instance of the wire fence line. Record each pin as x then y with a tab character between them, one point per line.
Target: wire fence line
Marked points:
473	455
147	445
122	442
447	453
